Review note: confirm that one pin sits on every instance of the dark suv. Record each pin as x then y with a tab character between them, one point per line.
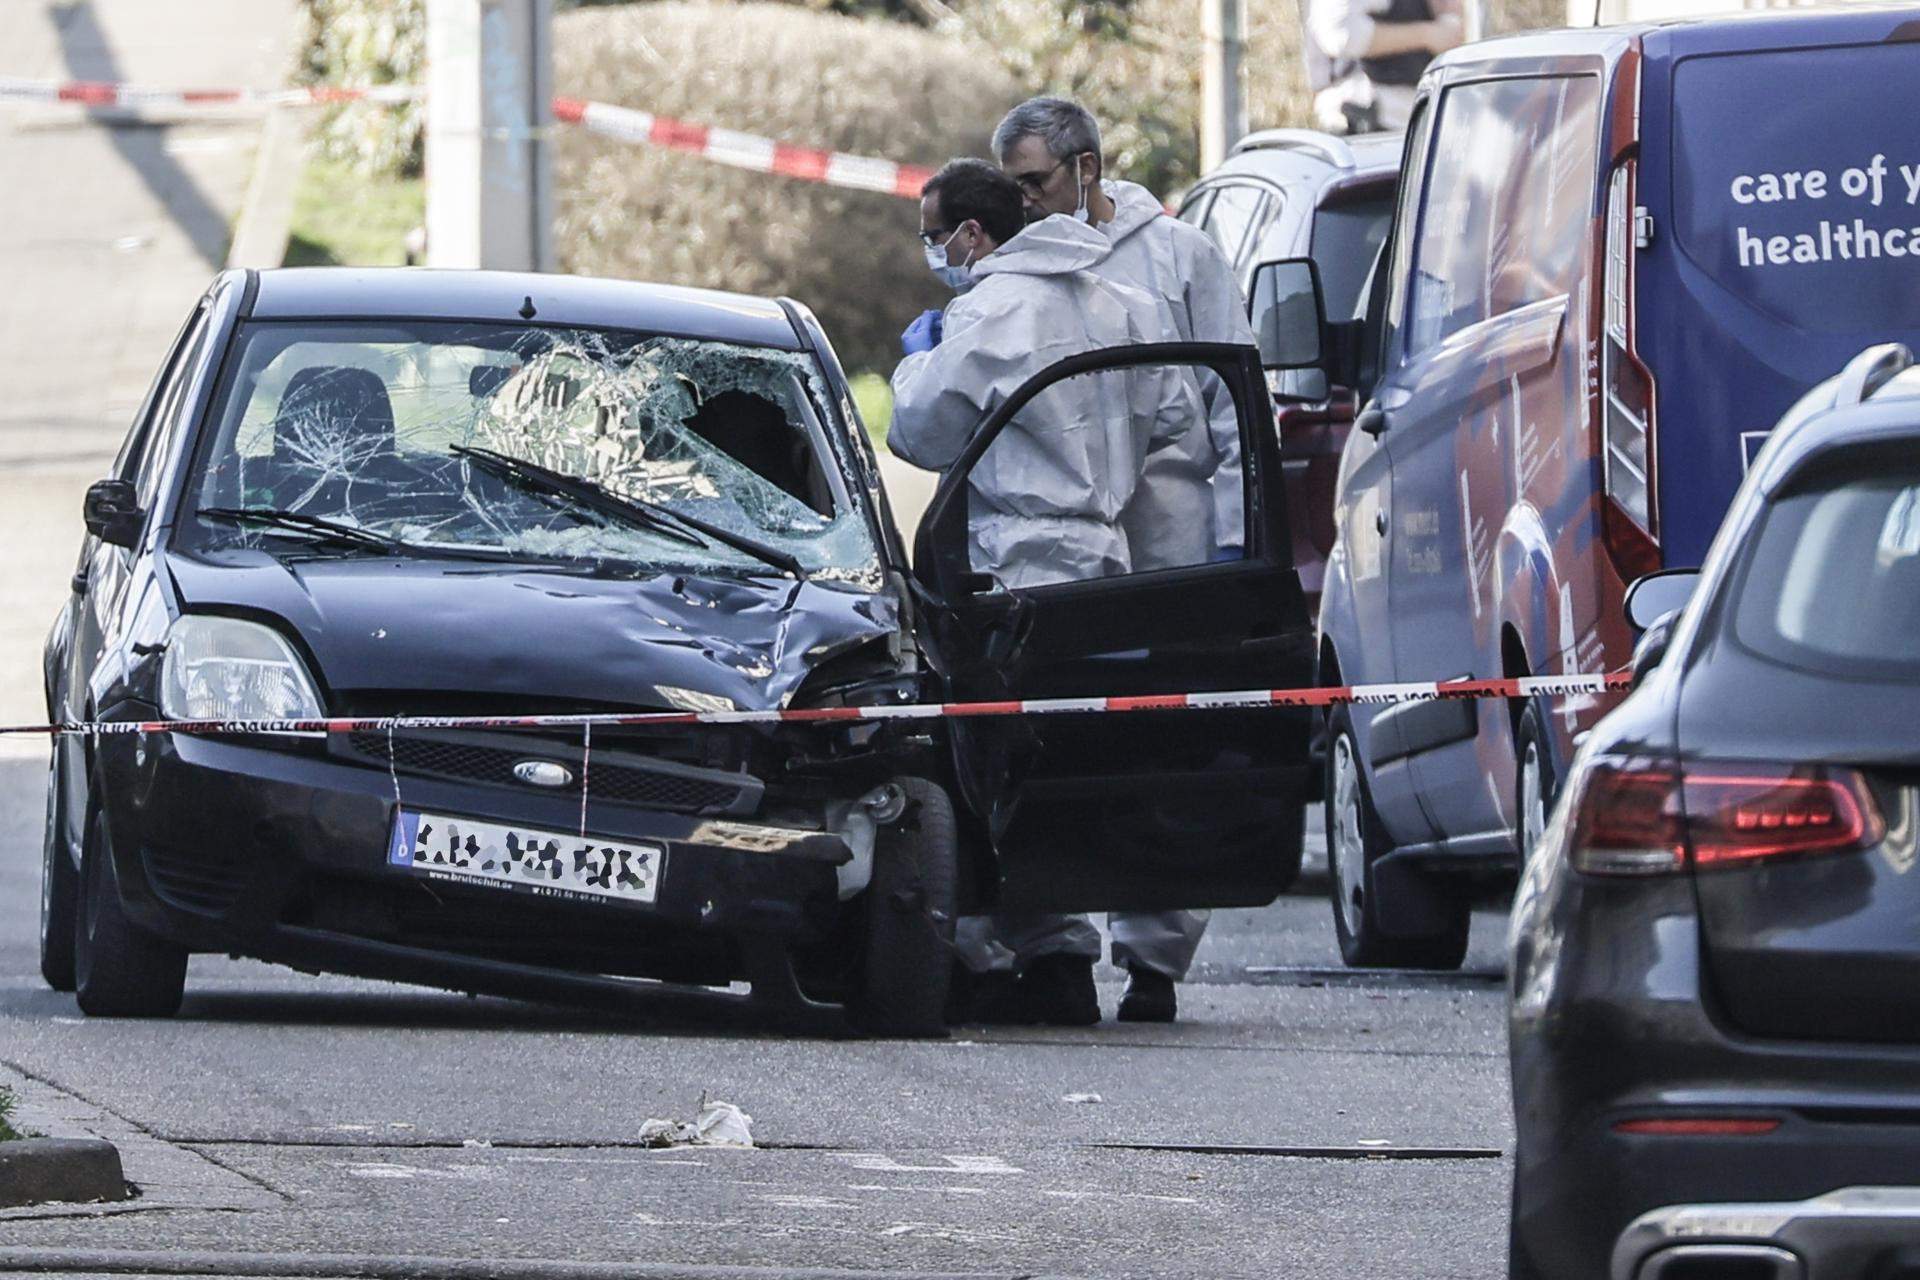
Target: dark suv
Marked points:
1714	961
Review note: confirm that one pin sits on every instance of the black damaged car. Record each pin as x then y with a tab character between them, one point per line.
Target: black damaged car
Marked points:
358	494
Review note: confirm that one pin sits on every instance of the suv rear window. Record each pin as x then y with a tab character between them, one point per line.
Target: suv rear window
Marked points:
1796	184
1832	583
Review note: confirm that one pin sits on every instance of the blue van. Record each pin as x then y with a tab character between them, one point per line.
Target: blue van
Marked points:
1618	256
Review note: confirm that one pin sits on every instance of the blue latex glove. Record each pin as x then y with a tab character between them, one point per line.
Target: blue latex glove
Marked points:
1223	554
923	334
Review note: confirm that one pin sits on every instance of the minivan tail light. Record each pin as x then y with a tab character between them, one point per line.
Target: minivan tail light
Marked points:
1646	818
1629	516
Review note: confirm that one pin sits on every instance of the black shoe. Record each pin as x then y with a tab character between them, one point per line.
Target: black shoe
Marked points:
1057	991
1149	997
985	999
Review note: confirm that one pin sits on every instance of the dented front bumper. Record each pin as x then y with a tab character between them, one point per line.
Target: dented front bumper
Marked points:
285	851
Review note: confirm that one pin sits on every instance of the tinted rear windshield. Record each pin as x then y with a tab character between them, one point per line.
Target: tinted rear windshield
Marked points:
1797	182
1832	583
1346	238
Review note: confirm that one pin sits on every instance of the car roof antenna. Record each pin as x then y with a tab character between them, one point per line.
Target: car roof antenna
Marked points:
527	311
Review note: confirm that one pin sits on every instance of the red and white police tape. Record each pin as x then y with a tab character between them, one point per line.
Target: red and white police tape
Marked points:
103	93
721	146
1240	699
745	150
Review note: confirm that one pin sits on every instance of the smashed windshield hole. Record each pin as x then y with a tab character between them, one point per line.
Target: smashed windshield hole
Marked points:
364	425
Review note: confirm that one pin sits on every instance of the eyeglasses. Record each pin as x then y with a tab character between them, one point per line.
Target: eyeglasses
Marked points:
937	237
1035	184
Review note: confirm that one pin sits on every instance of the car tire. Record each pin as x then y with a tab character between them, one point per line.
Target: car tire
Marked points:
907	966
1534	781
59	890
120	970
1355	841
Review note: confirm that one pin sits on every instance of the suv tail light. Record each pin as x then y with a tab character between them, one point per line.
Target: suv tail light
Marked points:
1626	399
1650	818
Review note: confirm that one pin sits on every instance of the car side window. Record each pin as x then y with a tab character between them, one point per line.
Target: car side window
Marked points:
127	462
1510	205
1413	184
163	431
1194	211
1235	212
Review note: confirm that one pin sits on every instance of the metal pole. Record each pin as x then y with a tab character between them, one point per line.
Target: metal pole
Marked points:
489	174
1223	99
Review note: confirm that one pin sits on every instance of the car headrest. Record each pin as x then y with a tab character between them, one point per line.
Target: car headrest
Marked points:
339	398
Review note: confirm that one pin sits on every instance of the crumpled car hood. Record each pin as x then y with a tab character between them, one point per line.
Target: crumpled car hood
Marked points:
538	633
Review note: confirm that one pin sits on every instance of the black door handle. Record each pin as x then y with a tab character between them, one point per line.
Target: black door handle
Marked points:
79	583
1372	420
1380	522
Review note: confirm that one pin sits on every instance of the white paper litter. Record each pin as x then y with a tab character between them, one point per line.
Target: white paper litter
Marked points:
1082	1098
719	1124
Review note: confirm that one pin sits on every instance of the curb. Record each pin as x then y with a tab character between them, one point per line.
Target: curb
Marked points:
38	1170
335	1266
265	221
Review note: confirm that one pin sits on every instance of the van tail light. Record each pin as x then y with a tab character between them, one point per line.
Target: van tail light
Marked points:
1632	818
1628	511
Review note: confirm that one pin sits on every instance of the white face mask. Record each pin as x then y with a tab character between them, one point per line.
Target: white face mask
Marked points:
960	278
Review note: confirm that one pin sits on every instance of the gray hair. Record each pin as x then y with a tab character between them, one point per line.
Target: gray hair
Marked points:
1066	127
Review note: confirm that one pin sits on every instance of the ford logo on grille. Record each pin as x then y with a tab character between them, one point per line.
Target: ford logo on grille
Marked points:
543	773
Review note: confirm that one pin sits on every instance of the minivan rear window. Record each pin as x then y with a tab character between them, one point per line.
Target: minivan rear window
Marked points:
1796	182
1832	583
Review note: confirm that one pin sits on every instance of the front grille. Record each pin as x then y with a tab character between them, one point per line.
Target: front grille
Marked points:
612	776
204	881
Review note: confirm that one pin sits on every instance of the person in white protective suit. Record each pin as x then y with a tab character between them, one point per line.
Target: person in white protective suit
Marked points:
1046	500
1191	505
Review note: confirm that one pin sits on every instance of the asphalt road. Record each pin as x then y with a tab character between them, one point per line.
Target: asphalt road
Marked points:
282	1112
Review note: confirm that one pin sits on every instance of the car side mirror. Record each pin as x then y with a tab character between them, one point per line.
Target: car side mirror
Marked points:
1289	315
112	512
1658	595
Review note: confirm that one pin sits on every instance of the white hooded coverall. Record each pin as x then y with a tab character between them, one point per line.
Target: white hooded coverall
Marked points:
1179	265
1046	499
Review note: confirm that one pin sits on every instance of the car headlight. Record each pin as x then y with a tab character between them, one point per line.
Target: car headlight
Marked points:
226	669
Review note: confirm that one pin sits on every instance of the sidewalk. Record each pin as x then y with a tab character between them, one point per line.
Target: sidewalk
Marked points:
110	232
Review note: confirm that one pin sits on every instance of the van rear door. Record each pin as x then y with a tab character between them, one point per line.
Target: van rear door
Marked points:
1782	177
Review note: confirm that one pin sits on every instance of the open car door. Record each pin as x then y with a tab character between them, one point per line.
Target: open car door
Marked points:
1136	810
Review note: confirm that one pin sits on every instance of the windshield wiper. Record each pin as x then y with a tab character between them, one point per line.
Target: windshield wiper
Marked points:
637	511
319	528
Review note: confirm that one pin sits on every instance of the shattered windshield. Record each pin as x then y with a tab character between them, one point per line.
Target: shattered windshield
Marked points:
408	432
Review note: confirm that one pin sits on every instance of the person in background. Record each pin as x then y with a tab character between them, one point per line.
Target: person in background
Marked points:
1190	508
1364	57
1045	501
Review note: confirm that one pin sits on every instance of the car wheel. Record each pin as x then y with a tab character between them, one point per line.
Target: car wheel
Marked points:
1534	787
1355	842
910	907
120	970
59	890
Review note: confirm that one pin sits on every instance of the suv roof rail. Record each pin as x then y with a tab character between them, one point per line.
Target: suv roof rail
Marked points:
1869	371
1334	149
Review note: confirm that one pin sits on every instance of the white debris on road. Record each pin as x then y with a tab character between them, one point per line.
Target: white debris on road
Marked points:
719	1124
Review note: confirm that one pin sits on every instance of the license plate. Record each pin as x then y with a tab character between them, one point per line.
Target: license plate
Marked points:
548	864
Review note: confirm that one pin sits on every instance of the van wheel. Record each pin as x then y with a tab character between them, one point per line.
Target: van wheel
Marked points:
1535	786
59	890
911	904
1355	841
120	970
